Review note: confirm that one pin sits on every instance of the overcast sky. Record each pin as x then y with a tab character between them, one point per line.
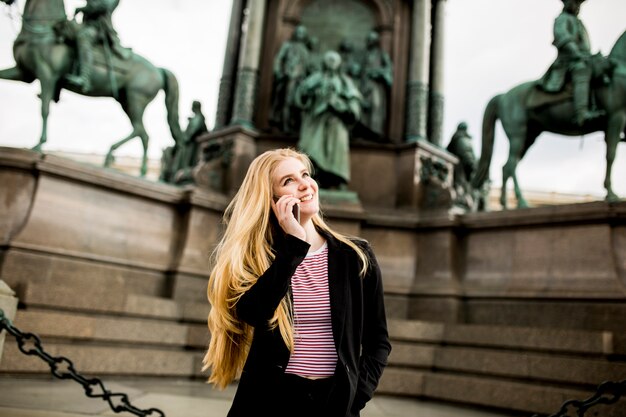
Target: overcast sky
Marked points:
491	46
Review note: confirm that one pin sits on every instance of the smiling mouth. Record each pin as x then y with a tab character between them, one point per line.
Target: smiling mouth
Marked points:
307	197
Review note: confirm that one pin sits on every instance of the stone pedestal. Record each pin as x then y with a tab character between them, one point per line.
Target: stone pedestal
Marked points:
226	174
8	304
414	176
426	177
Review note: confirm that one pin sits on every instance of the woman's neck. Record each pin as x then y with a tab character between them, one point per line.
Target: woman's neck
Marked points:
313	237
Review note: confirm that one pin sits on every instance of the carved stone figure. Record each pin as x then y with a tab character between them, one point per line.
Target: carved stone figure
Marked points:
96	28
41	52
461	146
178	162
290	68
313	43
377	80
348	57
217	157
574	57
330	102
434	188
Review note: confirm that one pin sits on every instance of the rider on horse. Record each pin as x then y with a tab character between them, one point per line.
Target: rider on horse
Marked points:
96	28
574	57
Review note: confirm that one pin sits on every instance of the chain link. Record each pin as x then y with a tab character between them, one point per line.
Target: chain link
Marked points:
608	392
63	368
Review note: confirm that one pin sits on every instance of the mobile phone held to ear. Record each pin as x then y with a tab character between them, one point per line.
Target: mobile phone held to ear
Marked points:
296	212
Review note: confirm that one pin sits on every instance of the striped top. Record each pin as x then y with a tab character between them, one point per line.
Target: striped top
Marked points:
314	352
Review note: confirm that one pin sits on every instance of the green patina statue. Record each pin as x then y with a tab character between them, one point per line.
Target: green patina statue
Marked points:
291	66
177	162
377	78
349	59
465	196
331	103
46	49
461	146
95	29
527	110
574	57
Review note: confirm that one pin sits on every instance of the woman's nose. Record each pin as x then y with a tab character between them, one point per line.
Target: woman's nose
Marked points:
302	184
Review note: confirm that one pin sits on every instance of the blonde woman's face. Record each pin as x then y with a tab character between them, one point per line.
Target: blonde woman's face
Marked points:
292	177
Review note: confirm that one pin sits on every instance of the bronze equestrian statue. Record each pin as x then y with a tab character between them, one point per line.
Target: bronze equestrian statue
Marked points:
45	51
527	110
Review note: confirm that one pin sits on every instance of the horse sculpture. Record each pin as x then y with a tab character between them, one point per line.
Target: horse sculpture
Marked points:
39	54
523	124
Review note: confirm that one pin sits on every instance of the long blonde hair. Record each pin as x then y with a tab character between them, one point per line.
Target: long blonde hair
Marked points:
243	254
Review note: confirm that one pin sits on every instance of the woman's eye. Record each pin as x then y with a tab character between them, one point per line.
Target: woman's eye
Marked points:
287	181
306	175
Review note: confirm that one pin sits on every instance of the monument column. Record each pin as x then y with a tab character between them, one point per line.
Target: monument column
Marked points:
435	108
248	70
417	88
225	98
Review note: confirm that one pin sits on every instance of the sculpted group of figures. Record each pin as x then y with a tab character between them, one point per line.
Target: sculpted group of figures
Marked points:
322	100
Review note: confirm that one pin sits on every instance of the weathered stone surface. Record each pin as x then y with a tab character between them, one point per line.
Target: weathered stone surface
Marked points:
198	336
412	355
396	306
397	256
98	360
418	331
435	308
151	306
8	304
373	175
401	382
190	288
600	315
81	220
196	312
16	196
555	260
103	329
244	151
524	365
24	266
498	393
521	338
101	301
202	233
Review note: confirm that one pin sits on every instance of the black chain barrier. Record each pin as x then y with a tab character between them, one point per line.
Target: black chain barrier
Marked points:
608	392
63	368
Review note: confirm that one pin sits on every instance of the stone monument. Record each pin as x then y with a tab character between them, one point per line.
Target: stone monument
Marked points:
389	63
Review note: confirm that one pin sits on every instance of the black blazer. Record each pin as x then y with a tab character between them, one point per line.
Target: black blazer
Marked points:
358	322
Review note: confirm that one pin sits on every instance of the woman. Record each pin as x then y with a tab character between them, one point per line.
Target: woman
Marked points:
297	308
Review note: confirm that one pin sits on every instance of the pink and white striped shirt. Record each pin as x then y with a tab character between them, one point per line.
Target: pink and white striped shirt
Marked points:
314	347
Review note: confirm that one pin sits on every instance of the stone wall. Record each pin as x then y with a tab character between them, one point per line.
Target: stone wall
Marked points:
517	310
560	266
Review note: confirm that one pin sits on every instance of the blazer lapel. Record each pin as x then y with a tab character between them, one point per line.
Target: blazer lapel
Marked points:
338	287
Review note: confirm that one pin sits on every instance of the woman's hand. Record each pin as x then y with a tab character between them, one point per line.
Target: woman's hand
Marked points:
283	209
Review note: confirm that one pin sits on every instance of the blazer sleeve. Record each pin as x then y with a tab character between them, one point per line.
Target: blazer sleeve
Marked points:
375	340
258	304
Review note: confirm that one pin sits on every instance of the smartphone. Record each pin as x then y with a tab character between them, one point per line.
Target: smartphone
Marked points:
295	210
